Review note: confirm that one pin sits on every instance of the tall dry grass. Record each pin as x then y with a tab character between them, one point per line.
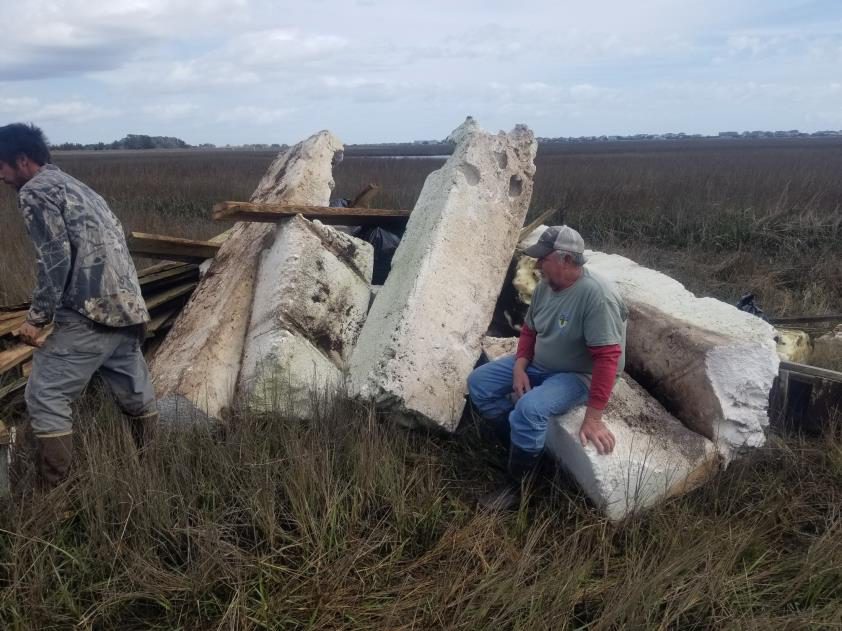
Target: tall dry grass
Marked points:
348	522
723	217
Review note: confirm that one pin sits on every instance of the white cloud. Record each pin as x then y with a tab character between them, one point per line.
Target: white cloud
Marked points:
66	37
255	57
373	70
17	106
170	111
281	46
253	115
73	112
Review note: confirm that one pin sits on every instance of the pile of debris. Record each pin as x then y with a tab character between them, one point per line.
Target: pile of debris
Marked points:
285	314
282	318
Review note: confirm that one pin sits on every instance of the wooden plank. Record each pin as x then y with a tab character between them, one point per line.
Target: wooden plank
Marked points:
149	284
363	199
158	267
13	387
170	294
15	356
6	309
530	227
12	324
12	315
222	236
171	248
160	320
270	213
804	402
811	371
831	317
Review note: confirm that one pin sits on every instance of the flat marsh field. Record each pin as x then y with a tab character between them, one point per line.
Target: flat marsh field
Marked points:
348	522
724	217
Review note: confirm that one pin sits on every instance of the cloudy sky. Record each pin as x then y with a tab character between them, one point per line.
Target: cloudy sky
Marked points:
241	71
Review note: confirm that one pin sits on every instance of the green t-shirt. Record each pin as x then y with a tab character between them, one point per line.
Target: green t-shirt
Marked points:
588	313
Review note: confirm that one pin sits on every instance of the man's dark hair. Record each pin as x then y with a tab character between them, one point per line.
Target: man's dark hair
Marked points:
20	139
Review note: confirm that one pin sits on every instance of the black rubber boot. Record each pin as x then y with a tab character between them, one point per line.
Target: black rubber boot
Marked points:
498	429
143	429
54	456
521	465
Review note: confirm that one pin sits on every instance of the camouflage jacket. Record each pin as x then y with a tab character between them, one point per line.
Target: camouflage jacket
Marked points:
83	260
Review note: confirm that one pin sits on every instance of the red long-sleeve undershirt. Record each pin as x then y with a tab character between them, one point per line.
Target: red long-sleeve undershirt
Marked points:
605	361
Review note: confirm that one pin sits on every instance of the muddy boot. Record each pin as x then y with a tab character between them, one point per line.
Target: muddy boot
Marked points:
143	429
54	456
521	465
497	429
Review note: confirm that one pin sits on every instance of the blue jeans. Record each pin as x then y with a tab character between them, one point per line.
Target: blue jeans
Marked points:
552	394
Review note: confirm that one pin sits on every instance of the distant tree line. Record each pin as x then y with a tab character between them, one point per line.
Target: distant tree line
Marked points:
132	141
142	141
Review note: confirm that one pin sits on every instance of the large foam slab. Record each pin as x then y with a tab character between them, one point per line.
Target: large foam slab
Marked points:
423	333
196	368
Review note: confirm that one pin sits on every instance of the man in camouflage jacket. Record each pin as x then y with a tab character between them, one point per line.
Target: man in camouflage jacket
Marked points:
87	287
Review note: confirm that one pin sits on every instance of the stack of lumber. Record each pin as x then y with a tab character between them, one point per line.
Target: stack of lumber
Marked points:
165	287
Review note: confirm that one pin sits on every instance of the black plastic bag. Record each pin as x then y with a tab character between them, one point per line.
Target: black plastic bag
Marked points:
747	303
384	243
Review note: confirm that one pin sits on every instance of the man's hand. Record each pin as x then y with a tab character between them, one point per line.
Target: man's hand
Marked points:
594	430
520	380
31	334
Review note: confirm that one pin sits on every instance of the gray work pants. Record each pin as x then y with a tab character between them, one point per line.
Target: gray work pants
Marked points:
62	368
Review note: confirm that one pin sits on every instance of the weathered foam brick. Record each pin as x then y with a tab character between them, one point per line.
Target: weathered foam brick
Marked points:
709	363
497	347
794	346
311	299
655	455
196	367
423	333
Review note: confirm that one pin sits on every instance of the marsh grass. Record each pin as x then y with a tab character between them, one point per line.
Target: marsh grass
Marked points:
724	218
349	522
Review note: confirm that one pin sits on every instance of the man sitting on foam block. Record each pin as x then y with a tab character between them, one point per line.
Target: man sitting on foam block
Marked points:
570	352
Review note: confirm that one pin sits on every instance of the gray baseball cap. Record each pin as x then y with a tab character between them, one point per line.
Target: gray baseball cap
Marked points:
557	238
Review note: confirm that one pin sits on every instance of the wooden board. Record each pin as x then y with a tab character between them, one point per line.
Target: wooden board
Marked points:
160	319
811	371
13	315
12	324
6	309
270	213
13	387
155	283
364	197
171	248
540	219
831	317
806	398
158	267
15	356
170	294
